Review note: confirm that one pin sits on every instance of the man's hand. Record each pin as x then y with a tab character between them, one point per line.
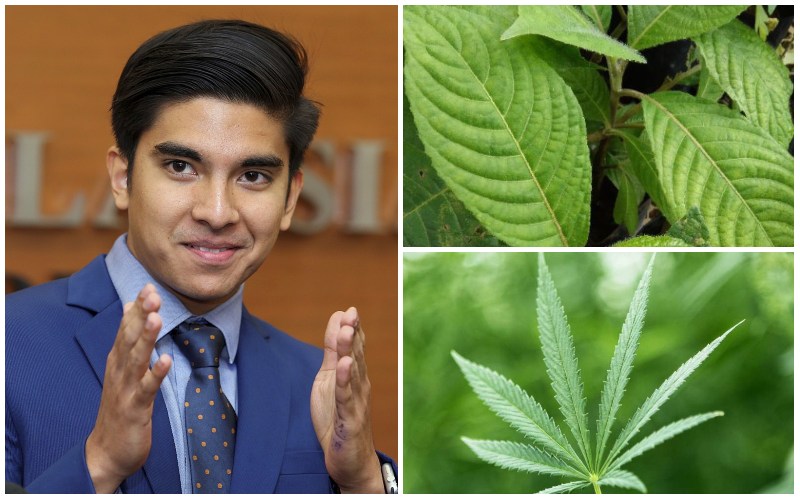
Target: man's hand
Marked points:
340	408
120	441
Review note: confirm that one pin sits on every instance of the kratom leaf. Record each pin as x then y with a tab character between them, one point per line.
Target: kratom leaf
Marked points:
751	73
652	241
599	14
661	435
629	196
708	88
519	456
651	25
559	357
565	488
642	164
567	24
623	479
502	129
622	361
653	403
580	75
691	228
518	408
711	157
432	215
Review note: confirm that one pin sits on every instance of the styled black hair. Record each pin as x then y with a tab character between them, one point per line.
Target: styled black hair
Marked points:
232	60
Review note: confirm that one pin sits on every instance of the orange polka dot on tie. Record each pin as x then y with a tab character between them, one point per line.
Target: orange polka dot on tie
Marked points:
207	472
211	403
194	457
216	457
233	430
213	429
225	444
197	390
186	342
198	485
219	486
212	337
200	417
223	416
203	444
211	377
186	404
202	350
228	472
196	328
189	430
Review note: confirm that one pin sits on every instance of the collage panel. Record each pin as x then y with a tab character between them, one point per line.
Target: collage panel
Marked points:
633	126
598	372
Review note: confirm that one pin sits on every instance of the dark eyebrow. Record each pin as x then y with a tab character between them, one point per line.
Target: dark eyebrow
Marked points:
270	161
175	149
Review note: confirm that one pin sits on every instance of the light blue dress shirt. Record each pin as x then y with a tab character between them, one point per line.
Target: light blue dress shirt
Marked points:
129	277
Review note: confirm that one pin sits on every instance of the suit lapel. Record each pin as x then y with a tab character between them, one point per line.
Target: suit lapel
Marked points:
263	416
91	289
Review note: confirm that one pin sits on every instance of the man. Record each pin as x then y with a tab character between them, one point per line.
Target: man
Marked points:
143	372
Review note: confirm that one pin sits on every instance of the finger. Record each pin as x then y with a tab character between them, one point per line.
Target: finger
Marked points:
350	317
139	355
151	382
344	390
344	341
136	314
330	356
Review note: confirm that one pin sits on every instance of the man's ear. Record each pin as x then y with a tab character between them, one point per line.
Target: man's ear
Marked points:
118	172
295	186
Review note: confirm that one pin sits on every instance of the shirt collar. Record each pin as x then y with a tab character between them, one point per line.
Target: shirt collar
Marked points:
129	277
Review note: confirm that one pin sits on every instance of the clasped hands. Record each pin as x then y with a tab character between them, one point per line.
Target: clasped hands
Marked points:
121	439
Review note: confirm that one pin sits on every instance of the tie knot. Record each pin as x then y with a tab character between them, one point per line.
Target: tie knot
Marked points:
201	343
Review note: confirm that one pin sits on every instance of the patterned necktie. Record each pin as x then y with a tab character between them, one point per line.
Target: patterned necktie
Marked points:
210	419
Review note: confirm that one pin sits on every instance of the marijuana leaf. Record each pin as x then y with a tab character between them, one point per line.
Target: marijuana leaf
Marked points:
551	452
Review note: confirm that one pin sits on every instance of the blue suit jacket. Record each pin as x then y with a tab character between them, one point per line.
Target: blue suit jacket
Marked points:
58	336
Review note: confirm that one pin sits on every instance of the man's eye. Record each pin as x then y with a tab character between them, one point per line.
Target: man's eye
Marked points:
179	167
254	177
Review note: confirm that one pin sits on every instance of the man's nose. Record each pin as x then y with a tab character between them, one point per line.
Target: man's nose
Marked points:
215	203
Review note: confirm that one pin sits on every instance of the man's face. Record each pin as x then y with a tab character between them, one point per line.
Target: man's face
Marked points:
208	197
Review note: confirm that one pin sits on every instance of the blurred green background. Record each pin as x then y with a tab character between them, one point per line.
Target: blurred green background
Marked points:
483	305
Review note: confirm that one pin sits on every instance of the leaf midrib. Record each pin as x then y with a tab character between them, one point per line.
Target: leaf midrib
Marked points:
655	19
521	154
714	164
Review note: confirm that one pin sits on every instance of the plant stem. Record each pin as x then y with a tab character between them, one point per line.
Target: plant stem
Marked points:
597	488
671	82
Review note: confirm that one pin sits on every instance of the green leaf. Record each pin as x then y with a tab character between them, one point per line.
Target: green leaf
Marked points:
580	75
661	435
519	456
623	479
432	215
559	357
567	24
565	488
711	157
518	408
751	73
652	241
651	25
708	88
502	129
622	361
691	228
599	14
642	164
654	402
629	196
